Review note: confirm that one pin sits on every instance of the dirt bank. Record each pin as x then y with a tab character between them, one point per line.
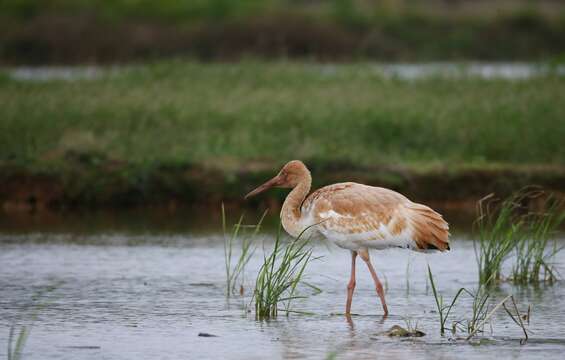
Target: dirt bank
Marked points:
120	186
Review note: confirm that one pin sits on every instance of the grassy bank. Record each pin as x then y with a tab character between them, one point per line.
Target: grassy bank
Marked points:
178	118
87	31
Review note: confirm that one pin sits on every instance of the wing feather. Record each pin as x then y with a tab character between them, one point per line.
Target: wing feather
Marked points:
356	216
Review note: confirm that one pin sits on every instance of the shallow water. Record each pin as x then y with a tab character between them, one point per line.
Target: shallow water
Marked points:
511	71
149	296
406	71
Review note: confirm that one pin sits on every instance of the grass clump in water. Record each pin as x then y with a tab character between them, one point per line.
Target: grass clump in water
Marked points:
236	271
509	225
443	310
479	315
280	274
535	253
481	311
500	231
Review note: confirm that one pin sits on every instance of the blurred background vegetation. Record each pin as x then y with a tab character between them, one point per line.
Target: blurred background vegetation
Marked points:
199	100
90	31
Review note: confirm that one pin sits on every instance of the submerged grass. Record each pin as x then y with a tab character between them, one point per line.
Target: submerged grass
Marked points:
16	343
235	272
509	226
280	274
17	338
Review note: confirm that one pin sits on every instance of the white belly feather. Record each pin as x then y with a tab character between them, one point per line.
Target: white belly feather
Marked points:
376	239
379	238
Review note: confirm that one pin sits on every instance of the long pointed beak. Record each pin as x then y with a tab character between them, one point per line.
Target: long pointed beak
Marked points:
269	184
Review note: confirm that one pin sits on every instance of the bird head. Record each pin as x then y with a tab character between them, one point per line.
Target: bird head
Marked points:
290	175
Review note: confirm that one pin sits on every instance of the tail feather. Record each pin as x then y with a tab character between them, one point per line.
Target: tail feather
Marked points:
430	231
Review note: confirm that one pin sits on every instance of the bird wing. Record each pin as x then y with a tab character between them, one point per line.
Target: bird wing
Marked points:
356	216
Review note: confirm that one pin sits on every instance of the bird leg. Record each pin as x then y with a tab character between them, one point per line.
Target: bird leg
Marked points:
351	285
365	256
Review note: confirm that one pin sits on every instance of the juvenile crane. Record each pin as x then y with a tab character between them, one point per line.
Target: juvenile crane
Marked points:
356	217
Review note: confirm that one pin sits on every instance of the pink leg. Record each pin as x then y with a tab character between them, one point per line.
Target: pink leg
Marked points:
351	285
365	256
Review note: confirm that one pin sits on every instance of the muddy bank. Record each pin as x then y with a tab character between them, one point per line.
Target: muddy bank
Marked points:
118	186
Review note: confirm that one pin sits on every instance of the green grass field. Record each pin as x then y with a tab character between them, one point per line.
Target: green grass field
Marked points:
227	114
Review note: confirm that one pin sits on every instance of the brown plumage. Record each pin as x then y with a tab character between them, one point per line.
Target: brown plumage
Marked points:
380	218
430	230
357	217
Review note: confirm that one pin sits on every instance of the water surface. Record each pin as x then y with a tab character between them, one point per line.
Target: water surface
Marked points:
406	71
124	296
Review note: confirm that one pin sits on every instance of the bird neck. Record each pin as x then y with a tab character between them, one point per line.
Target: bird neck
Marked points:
291	209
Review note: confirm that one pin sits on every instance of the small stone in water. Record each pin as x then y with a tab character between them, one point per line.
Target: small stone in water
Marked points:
401	332
207	335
